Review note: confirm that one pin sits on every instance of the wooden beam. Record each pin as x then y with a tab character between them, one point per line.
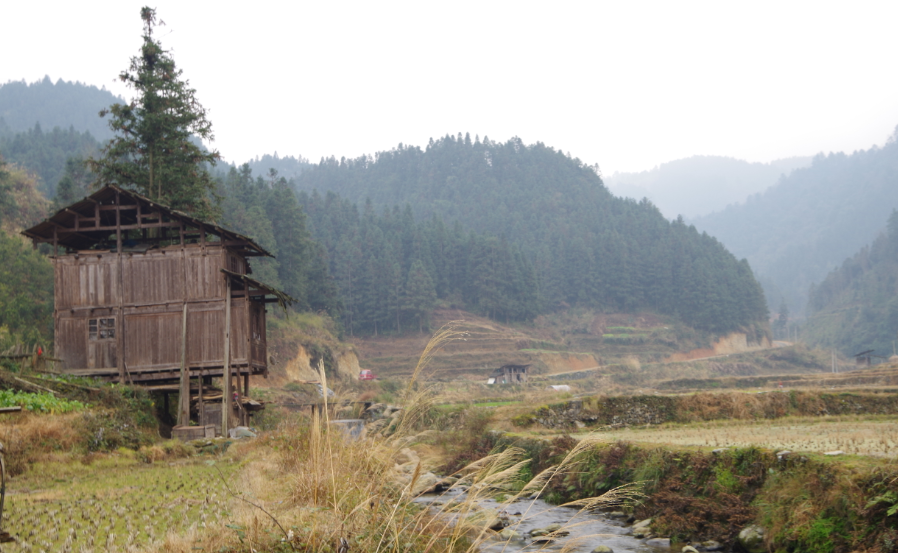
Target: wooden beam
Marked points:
172	224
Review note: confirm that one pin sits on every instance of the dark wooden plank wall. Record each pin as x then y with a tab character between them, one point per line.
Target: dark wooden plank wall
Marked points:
258	341
154	284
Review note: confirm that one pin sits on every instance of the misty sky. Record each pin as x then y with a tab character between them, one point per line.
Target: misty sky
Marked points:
627	85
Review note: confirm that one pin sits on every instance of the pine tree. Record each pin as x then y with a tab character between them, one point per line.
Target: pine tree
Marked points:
420	294
73	184
153	151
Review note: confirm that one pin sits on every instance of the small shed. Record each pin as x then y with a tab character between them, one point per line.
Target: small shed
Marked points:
866	358
145	294
508	374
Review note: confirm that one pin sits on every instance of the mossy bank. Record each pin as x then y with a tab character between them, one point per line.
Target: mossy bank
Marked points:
807	503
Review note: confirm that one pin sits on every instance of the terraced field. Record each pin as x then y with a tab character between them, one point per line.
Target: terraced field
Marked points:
870	436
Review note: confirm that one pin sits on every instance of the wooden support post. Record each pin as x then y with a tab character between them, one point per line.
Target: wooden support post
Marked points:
226	399
246	384
120	325
184	390
200	407
239	405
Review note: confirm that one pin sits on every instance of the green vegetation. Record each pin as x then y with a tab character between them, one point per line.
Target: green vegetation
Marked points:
391	271
93	504
550	236
46	154
50	105
153	149
44	403
26	276
26	294
856	307
268	211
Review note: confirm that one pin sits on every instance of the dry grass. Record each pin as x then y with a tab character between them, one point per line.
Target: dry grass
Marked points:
872	436
28	437
308	488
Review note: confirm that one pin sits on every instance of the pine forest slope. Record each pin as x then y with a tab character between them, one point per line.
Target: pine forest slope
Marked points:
46	153
700	185
856	307
584	246
796	232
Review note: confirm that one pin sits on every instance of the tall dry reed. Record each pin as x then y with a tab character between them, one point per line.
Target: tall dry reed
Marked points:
308	487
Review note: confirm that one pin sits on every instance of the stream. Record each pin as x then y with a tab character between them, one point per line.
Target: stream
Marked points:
587	530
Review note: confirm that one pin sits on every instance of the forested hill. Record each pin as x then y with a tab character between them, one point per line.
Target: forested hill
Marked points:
46	153
856	307
584	246
288	167
700	185
61	104
799	230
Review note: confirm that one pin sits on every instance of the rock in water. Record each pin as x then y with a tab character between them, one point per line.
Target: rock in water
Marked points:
427	483
603	549
689	549
751	538
537	532
509	534
711	545
641	524
660	543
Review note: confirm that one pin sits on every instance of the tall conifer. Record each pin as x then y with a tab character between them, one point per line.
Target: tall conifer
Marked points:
154	150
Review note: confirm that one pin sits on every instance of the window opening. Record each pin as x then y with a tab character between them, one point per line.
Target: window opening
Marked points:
235	266
101	329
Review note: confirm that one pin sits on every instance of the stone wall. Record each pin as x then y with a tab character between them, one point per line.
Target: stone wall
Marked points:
652	409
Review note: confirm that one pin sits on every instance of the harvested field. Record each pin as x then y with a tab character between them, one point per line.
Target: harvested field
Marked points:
871	436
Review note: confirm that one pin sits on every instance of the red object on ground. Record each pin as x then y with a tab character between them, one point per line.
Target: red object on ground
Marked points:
366	375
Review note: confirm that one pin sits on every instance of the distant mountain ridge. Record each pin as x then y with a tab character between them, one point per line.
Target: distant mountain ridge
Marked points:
796	232
61	104
288	167
700	185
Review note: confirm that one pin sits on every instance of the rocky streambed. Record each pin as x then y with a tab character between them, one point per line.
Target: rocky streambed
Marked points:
534	525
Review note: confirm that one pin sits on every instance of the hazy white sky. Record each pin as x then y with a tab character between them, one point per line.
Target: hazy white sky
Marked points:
627	85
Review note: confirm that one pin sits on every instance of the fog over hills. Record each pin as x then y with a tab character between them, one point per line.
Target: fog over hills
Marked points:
796	232
61	104
700	185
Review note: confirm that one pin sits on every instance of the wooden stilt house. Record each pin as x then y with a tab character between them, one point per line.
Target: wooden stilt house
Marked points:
148	295
509	374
